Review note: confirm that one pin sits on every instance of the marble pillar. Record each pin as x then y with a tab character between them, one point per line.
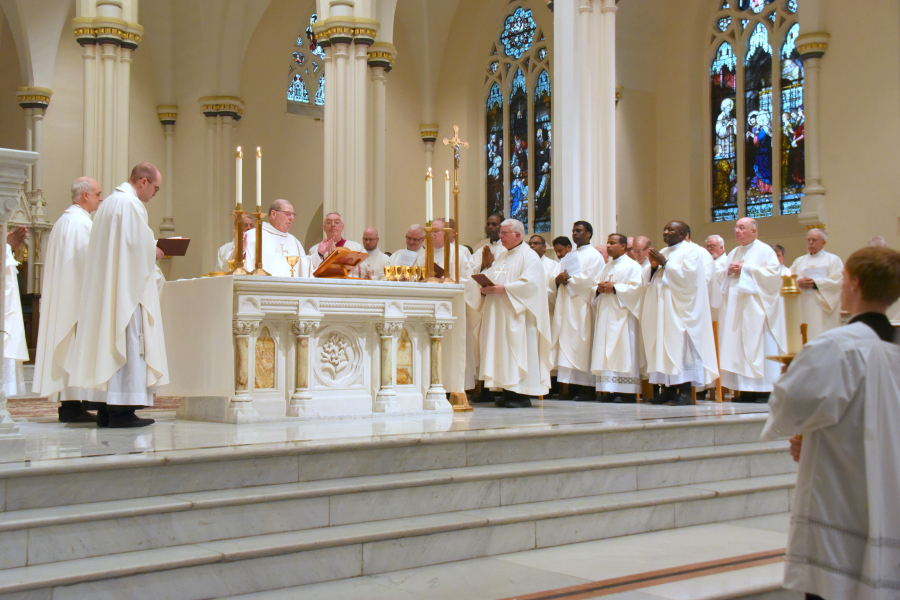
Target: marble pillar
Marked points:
386	399
245	333
607	121
381	60
301	404
167	116
812	47
436	398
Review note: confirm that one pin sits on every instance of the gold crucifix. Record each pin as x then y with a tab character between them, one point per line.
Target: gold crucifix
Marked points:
456	143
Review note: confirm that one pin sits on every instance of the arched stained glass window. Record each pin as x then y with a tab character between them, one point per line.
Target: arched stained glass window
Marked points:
297	92
306	89
518	141
756	119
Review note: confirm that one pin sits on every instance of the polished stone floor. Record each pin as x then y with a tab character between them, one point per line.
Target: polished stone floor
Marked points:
47	440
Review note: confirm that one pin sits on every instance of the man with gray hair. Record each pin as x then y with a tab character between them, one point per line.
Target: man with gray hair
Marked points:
277	244
414	253
514	338
333	229
819	275
641	251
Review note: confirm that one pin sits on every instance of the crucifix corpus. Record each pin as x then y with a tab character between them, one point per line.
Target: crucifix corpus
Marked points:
457	145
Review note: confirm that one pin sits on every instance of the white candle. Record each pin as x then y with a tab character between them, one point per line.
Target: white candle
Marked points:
258	179
239	157
447	214
429	209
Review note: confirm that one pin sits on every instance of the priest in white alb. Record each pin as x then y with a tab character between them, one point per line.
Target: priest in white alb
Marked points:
414	253
515	329
819	279
333	228
15	347
65	259
120	350
617	356
376	260
277	244
676	323
641	250
751	322
570	351
226	251
465	259
551	267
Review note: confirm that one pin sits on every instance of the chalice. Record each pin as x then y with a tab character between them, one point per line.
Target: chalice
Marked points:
292	261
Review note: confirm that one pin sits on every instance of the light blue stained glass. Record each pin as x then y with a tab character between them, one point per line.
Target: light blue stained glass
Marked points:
759	128
792	6
518	32
494	67
723	93
759	39
793	123
541	152
772	17
299	58
518	84
314	46
542	54
744	23
320	93
297	91
494	150
543	84
723	23
518	150
300	42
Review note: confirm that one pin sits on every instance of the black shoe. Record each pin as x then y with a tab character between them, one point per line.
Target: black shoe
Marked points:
702	395
679	400
745	397
665	395
102	416
72	411
521	401
120	419
585	397
762	397
625	399
485	396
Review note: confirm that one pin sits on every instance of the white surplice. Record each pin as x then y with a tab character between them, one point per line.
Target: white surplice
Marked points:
315	259
465	261
276	247
551	268
120	349
820	308
515	327
394	259
572	324
841	393
617	354
374	264
15	348
721	264
751	326
676	323
645	270
225	253
65	258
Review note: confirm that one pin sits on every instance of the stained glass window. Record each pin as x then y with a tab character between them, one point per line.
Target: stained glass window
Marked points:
723	92
792	6
494	151
518	150
299	58
723	23
307	84
320	93
758	108
793	158
518	33
297	92
755	6
314	46
542	146
542	54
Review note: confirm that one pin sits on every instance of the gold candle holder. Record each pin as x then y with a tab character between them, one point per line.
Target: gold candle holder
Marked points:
238	268
259	268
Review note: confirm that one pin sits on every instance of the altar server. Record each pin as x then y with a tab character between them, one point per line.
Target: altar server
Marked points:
675	319
551	267
617	356
819	278
277	244
515	329
570	351
415	239
840	394
226	251
120	349
333	228
751	326
65	259
376	261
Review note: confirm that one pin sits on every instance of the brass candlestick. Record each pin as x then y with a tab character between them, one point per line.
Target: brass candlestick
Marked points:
238	268
447	232
429	274
457	145
259	268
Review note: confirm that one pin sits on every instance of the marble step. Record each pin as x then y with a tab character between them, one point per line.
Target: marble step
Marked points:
63	482
250	564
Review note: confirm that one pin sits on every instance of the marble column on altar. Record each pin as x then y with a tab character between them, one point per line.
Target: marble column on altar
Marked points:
245	333
386	399
436	397
301	404
812	47
381	61
167	116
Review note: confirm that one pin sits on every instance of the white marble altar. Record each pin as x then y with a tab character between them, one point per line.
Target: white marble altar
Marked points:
244	349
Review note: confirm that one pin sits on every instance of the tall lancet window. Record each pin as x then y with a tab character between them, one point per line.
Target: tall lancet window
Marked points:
306	88
518	123
756	118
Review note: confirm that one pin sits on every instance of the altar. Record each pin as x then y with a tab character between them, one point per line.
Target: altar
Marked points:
248	349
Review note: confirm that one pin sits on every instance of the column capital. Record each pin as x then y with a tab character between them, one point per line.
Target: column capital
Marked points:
346	30
812	45
33	97
107	30
382	54
429	132
224	106
167	114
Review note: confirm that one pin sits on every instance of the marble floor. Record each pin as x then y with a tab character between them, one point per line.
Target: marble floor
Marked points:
552	572
49	440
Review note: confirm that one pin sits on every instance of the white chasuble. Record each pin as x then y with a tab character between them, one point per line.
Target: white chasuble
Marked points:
515	326
617	355
573	321
276	247
751	320
466	265
315	259
551	268
120	348
841	394
645	270
65	258
820	308
495	247
721	265
374	265
675	320
394	259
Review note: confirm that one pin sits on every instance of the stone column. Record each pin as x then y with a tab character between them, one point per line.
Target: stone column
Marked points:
436	398
607	103
301	404
386	399
429	133
812	47
34	100
86	35
241	406
588	167
567	126
381	60
167	116
130	38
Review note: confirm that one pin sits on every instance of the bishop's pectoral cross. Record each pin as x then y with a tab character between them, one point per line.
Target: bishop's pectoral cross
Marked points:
456	144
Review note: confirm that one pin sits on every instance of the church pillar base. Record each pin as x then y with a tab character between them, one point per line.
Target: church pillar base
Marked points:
387	402
436	400
12	443
241	412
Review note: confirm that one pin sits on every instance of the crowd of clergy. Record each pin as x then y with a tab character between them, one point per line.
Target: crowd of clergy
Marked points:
601	318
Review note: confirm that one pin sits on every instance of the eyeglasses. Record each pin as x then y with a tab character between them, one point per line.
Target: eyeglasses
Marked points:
155	186
412	239
290	214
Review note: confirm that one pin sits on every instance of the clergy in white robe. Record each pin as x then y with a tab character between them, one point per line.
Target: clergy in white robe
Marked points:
415	241
119	347
515	330
779	252
492	231
277	244
841	395
15	348
676	323
572	321
617	354
65	258
819	279
751	326
333	227
226	251
551	267
376	260
640	248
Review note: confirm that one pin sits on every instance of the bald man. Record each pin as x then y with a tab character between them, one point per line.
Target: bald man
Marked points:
415	241
641	250
333	228
277	244
376	261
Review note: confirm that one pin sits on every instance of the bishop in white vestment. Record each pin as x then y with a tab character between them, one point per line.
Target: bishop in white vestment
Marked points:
119	347
617	356
751	326
333	227
277	244
65	259
572	322
819	279
515	329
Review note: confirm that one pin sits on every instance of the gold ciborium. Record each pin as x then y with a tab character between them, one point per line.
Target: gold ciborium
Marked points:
292	261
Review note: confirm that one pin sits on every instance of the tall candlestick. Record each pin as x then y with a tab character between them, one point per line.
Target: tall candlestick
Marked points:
258	179
447	197
429	207
238	181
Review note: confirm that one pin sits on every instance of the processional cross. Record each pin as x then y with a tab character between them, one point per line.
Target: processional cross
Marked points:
457	144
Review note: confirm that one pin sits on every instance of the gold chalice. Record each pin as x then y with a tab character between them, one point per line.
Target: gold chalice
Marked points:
292	261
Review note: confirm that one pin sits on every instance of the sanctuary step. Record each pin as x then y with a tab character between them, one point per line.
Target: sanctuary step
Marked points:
237	520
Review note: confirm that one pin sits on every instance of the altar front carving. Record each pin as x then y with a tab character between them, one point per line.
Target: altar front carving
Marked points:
243	349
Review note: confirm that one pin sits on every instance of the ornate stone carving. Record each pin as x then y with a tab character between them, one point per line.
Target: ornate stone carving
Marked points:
335	355
438	329
351	306
245	328
388	328
304	327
